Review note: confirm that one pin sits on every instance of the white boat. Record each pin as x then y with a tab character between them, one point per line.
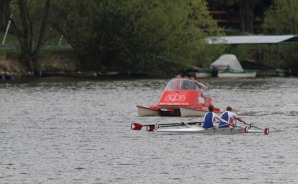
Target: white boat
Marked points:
196	127
192	129
233	73
228	66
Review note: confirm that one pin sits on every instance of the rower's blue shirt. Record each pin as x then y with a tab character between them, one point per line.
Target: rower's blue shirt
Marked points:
222	124
208	120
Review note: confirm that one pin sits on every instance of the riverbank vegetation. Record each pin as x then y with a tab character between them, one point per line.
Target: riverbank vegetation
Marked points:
131	35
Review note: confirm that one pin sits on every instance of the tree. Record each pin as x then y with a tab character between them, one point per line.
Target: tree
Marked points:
280	19
140	35
29	25
4	5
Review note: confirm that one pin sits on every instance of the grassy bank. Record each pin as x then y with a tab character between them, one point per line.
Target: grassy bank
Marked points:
51	60
53	57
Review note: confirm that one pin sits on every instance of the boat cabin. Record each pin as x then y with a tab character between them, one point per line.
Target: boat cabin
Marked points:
183	84
177	94
183	92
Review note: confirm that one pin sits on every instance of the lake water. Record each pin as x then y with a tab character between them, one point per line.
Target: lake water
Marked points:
63	130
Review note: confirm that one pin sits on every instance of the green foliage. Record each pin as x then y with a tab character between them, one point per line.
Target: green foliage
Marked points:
58	60
281	18
10	54
29	25
243	52
288	56
139	35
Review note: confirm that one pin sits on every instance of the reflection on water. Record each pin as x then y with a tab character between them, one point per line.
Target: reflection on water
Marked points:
63	130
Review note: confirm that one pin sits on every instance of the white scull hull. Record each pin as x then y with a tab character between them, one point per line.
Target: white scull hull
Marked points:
196	129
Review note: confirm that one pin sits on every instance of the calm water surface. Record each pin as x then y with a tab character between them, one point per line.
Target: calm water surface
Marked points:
61	130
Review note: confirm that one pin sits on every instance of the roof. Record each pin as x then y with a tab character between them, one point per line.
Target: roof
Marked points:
260	39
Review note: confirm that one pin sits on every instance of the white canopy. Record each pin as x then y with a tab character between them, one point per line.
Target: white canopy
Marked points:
227	61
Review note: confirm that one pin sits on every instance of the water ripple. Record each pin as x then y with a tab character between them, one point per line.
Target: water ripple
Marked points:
59	130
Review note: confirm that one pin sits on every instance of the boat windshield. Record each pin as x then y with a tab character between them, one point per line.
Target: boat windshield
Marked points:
183	84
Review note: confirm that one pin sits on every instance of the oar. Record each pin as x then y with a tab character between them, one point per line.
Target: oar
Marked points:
151	127
139	126
234	125
245	128
266	130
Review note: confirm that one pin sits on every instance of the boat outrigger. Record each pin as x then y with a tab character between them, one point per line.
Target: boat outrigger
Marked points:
196	127
181	97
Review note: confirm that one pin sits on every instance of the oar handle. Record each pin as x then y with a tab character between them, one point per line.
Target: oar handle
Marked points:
248	124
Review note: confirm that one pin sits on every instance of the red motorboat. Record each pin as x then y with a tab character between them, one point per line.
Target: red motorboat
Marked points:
182	97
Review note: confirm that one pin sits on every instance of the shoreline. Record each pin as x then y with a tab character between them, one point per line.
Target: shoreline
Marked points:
91	74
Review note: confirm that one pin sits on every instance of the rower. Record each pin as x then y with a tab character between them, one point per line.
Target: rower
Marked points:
229	117
210	118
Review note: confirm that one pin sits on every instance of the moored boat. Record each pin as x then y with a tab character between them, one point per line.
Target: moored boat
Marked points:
237	74
228	66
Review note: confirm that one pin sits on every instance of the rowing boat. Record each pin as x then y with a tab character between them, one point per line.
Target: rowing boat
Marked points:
196	127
